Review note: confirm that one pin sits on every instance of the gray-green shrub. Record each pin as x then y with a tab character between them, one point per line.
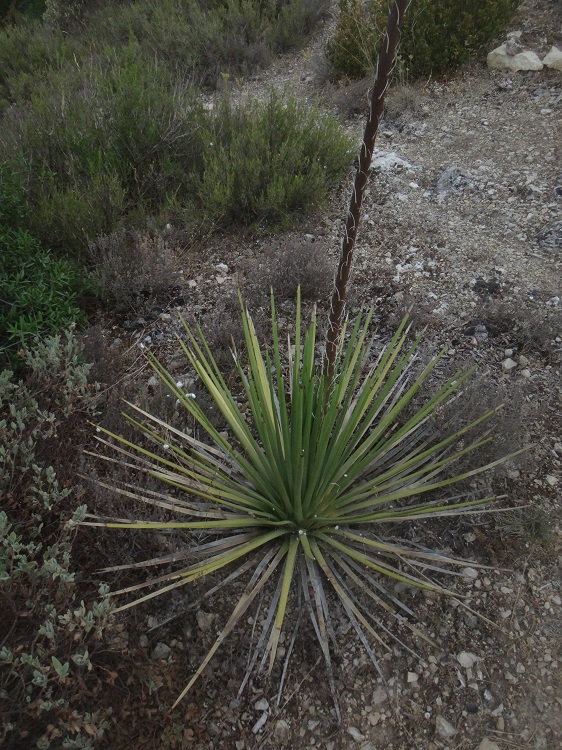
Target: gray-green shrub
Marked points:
264	162
116	143
52	637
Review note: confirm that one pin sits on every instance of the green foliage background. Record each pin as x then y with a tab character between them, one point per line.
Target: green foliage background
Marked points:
103	128
437	35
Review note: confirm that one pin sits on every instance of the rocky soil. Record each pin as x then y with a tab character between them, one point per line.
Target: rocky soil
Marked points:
463	223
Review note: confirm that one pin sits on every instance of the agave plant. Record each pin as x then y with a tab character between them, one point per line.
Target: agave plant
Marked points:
301	493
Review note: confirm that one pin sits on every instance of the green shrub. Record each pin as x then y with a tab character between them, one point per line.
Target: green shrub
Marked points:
29	54
40	294
437	35
13	199
209	37
118	144
101	143
51	638
265	162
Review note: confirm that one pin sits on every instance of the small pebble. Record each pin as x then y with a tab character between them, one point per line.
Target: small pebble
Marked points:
355	734
444	728
466	659
508	365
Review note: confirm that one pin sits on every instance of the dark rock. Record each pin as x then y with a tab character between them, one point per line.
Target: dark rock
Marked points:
550	237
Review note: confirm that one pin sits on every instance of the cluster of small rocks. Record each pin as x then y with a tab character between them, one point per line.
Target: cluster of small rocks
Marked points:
512	55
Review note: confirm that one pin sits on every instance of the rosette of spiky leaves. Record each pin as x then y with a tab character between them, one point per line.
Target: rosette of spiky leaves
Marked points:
303	490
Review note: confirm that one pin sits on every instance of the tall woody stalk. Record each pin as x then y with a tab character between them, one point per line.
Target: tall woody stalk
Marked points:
385	67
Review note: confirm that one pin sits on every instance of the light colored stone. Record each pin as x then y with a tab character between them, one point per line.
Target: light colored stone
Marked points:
355	734
412	677
262	705
444	728
388	161
553	59
466	659
260	723
487	744
204	619
470	573
380	695
501	59
160	651
525	373
509	364
552	481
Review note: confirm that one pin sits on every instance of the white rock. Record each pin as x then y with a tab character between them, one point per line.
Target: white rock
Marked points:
508	365
553	59
500	59
222	267
388	161
444	728
160	651
412	677
552	481
262	705
260	722
204	619
526	373
379	696
487	744
466	659
470	573
355	734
